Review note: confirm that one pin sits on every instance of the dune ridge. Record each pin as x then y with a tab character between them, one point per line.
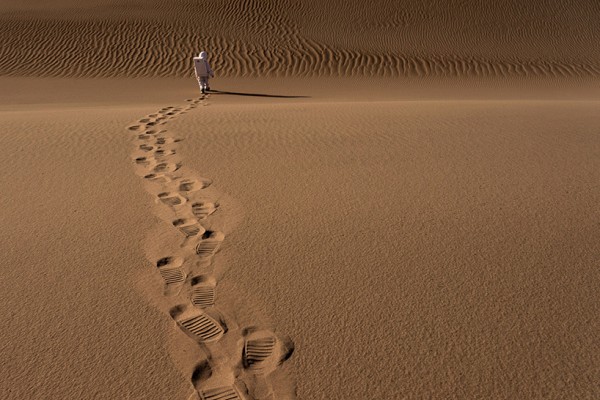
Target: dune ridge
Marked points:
306	39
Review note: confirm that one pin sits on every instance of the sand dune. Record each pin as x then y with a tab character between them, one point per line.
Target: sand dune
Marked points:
262	38
417	220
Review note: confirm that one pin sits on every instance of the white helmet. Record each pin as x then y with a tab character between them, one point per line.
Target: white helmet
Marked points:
203	55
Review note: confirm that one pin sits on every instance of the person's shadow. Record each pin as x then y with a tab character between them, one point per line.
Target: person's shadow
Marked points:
212	91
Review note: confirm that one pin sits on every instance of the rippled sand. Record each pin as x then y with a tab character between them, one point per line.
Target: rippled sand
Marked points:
373	202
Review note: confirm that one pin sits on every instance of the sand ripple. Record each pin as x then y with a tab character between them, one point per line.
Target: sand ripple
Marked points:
251	38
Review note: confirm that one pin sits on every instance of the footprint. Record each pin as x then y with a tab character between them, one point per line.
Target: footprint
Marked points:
198	324
203	295
143	161
166	167
144	120
143	136
209	244
263	351
220	393
172	199
158	178
172	273
164	153
189	227
202	372
146	147
134	128
191	185
202	210
162	140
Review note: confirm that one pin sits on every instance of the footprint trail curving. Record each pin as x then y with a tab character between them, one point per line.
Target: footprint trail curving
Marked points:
240	362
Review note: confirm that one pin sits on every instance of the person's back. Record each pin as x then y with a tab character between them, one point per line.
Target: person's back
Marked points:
203	71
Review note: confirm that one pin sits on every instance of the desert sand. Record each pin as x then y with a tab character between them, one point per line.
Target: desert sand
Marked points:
382	201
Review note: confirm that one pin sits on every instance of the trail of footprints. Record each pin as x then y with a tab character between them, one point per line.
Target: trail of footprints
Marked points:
259	351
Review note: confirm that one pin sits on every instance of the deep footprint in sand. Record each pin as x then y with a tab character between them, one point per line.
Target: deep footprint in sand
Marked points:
209	244
202	209
145	161
172	199
203	294
198	324
166	167
143	136
158	178
172	272
264	351
221	393
163	140
192	185
257	351
163	153
146	147
189	227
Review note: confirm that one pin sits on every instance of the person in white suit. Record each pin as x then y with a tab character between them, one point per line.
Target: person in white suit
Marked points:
203	71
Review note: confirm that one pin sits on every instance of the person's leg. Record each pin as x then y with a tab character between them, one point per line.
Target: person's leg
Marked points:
204	83
200	85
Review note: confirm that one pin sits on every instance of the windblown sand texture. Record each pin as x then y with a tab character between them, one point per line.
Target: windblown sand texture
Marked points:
414	38
382	200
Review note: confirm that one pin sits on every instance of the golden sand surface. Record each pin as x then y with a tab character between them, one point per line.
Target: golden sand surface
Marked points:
446	254
392	201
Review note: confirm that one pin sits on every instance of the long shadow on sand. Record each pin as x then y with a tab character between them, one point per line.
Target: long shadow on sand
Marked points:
256	94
